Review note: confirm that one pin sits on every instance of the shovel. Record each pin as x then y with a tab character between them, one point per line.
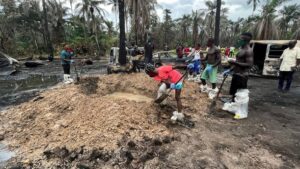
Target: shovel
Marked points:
165	95
214	102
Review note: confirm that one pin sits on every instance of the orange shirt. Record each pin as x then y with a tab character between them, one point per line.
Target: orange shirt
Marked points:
167	73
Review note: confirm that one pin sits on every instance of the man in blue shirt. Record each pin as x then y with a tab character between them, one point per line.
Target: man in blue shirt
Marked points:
66	56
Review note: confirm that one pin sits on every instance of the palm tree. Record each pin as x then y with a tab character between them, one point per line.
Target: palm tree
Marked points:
248	24
110	28
185	24
254	2
266	28
85	7
167	25
296	35
71	4
86	10
114	7
217	25
115	10
7	28
209	18
197	19
122	51
140	12
47	33
290	14
56	14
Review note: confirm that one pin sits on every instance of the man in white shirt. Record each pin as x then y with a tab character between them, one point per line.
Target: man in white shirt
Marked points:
289	60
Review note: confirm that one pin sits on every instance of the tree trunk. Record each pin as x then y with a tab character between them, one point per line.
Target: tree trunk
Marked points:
46	29
122	51
136	22
35	41
165	37
84	31
126	23
98	45
95	31
195	31
217	25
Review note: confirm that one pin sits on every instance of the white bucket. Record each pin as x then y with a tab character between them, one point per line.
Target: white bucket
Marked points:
240	105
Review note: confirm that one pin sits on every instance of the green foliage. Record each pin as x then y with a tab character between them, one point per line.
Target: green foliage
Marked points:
22	28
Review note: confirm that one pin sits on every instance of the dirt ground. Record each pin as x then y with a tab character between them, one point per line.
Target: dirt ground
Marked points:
112	122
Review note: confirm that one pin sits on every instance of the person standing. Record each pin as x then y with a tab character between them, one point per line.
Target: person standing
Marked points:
240	68
149	47
289	60
195	66
66	56
213	59
135	59
179	51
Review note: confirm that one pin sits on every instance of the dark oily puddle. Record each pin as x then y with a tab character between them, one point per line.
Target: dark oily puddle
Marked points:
5	154
16	89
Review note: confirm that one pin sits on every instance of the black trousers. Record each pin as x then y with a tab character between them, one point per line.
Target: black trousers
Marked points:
135	66
238	82
285	76
66	68
148	59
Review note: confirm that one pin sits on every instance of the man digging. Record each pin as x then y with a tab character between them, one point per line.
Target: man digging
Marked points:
169	79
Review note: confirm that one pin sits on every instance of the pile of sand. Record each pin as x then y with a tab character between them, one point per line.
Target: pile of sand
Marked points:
96	113
111	122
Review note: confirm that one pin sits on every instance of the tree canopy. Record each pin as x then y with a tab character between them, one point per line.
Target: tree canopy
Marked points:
30	27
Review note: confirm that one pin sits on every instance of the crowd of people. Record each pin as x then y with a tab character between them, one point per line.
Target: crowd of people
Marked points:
170	79
239	68
203	69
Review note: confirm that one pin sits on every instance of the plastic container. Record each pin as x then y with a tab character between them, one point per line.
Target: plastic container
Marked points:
240	105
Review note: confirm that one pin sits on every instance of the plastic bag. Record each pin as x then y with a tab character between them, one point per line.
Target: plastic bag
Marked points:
231	107
240	105
177	116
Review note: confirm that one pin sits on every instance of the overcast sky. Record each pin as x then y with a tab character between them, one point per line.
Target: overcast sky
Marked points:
237	8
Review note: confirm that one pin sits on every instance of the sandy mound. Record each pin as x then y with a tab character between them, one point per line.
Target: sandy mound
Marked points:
111	122
97	113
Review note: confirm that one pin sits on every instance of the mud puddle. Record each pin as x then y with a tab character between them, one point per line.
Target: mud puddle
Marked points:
130	97
5	155
14	90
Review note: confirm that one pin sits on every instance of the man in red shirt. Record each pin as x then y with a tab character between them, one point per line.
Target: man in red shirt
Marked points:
169	79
